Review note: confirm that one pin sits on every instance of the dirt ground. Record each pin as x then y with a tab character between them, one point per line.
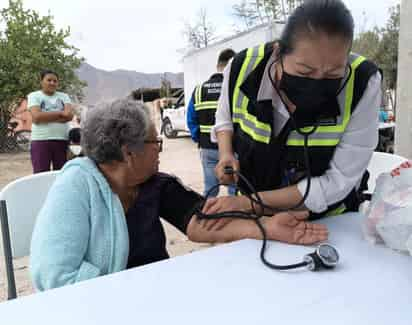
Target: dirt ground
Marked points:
180	157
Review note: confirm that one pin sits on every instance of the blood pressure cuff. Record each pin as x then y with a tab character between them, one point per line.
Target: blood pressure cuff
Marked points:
178	203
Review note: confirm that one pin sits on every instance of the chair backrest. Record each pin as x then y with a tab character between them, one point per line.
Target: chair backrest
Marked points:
382	162
24	198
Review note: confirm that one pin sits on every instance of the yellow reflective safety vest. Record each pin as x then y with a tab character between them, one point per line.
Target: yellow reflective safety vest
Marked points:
272	161
206	99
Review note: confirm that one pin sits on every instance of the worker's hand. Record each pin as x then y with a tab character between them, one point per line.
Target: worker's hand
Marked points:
226	203
221	204
291	227
227	160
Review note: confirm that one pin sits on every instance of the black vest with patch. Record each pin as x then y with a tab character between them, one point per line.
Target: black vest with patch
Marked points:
267	165
210	92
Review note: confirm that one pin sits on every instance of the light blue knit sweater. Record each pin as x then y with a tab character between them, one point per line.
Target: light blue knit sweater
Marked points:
81	230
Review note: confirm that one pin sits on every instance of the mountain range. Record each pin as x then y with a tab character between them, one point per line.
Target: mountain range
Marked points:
103	86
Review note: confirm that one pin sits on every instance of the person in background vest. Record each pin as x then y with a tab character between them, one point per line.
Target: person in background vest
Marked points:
309	78
201	118
51	110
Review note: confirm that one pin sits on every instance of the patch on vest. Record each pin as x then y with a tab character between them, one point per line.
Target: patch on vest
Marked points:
214	91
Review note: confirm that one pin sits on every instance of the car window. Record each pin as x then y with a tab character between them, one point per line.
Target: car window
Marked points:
180	101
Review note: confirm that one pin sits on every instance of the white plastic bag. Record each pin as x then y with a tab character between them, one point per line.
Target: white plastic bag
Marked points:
389	215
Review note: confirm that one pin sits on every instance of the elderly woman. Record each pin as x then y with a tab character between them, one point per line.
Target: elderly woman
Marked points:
102	214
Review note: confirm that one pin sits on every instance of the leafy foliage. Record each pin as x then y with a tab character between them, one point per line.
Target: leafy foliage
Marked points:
201	33
381	46
30	43
253	13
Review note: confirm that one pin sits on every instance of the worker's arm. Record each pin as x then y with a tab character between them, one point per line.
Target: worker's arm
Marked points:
222	132
226	158
285	198
192	119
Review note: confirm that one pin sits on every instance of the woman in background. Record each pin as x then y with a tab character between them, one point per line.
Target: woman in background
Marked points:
50	110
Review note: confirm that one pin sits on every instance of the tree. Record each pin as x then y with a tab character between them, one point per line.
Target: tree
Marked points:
253	13
271	9
201	33
28	44
388	52
381	46
367	43
165	86
246	13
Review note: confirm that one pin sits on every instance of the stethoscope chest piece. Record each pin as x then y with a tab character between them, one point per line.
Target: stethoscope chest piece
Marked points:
325	257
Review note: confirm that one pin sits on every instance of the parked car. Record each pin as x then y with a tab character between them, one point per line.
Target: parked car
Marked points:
174	118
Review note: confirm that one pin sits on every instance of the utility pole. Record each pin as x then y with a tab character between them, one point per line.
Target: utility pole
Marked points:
403	131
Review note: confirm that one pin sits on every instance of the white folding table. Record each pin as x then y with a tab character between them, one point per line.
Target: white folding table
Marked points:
228	284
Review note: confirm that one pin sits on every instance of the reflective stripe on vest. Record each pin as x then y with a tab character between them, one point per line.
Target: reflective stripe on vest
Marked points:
338	211
258	130
206	105
198	96
330	135
206	128
199	105
261	132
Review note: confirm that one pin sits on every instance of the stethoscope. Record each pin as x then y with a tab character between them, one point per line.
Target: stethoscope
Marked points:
325	256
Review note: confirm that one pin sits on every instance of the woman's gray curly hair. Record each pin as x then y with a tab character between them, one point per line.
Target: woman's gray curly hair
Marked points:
110	126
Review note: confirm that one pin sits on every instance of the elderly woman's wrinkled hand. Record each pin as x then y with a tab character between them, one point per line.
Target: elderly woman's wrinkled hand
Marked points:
291	227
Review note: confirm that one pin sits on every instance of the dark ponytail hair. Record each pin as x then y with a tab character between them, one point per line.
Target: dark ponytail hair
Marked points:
45	72
316	16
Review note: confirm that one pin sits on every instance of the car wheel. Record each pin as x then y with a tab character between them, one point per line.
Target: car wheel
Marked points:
167	128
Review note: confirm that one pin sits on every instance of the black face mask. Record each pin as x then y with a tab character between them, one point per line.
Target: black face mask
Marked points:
313	98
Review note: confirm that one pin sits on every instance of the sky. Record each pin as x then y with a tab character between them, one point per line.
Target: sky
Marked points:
145	35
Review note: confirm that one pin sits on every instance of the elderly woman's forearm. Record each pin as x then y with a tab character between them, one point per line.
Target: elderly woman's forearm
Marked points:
237	229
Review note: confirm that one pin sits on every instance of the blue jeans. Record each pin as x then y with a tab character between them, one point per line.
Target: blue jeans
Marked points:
210	158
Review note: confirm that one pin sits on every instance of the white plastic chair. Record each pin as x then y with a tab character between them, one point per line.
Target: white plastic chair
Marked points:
20	203
382	162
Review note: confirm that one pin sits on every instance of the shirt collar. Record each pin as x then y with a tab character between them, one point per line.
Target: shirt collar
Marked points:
265	92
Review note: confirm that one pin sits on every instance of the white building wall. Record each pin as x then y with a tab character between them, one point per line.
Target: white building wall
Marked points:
403	135
198	66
